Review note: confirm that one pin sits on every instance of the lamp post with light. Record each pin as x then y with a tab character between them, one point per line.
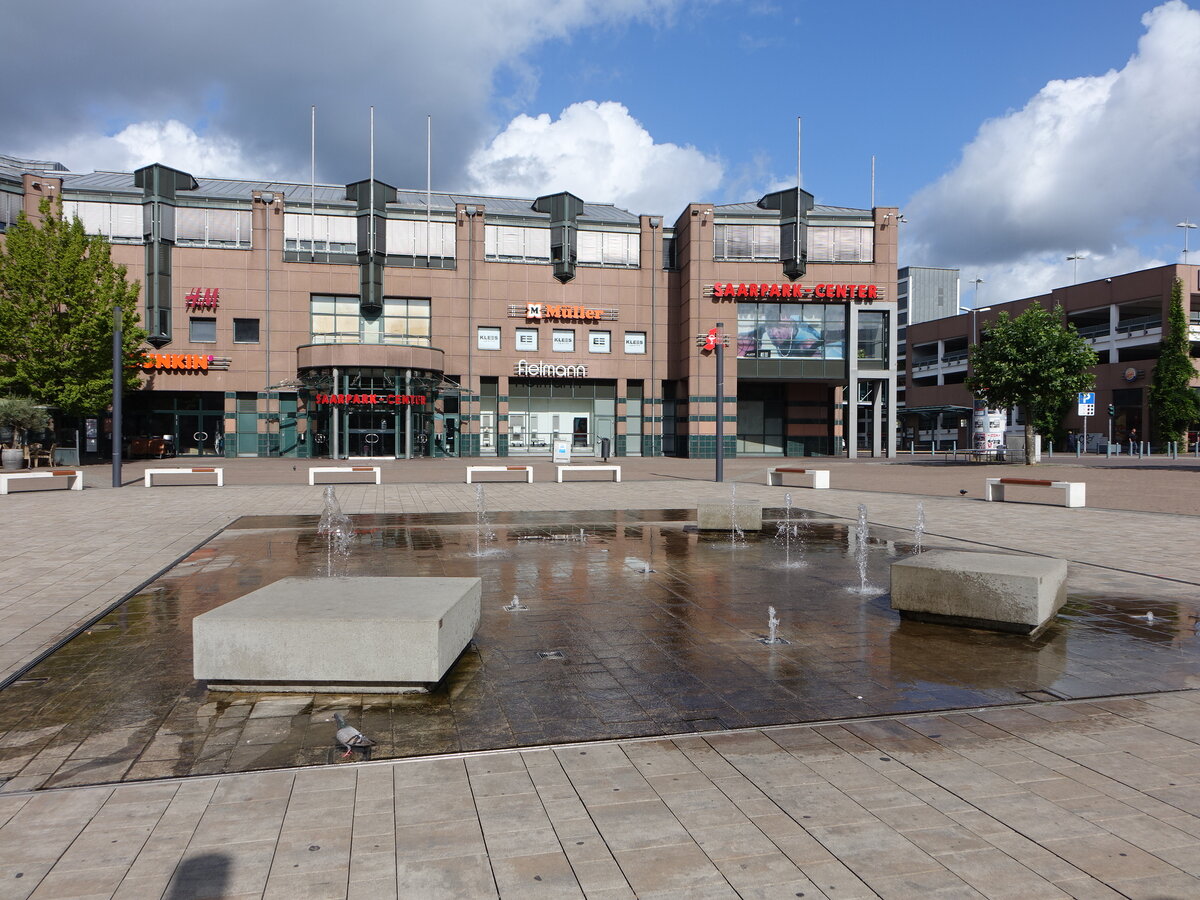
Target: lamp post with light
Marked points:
1075	258
1186	226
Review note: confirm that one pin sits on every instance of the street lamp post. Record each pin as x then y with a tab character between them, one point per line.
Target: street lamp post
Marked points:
1186	226
1075	258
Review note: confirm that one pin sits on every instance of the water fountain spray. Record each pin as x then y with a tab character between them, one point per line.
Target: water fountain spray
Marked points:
919	529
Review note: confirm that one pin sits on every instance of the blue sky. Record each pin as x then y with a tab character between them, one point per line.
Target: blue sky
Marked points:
1011	135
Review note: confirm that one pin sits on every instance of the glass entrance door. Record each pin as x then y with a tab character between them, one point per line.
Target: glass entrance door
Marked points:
373	433
200	434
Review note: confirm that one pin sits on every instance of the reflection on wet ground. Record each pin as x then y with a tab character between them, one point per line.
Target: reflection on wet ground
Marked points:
670	650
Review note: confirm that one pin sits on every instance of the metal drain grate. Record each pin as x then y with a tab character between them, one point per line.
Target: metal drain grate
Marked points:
1044	696
29	682
550	654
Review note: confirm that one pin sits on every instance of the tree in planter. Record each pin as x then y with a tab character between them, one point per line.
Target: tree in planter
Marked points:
1174	403
19	416
58	289
1033	362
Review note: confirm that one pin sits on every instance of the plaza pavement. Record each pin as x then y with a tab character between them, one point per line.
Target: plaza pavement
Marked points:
1052	799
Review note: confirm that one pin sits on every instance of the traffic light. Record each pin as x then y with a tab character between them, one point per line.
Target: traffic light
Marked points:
1112	409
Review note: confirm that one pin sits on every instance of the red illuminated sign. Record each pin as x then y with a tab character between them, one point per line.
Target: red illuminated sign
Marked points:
192	361
202	298
795	292
369	399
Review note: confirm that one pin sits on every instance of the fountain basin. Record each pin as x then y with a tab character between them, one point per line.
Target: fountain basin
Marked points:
720	516
1019	594
322	635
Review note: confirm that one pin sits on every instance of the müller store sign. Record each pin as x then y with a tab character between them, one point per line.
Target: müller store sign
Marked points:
818	292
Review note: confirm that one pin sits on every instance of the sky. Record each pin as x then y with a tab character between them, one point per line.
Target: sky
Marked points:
1011	135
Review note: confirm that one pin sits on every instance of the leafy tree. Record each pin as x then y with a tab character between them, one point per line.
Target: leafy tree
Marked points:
1174	404
1033	362
58	289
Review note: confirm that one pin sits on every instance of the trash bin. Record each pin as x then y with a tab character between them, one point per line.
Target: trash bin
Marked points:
605	444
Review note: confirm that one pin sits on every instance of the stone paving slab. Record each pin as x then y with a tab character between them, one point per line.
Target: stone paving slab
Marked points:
1071	799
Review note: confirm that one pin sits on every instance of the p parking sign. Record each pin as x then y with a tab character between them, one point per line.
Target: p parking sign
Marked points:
1087	403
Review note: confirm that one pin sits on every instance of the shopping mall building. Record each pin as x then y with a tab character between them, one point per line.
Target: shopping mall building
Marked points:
1120	317
365	321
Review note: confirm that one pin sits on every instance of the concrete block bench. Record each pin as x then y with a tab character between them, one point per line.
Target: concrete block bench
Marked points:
1074	492
528	470
719	515
184	470
337	635
819	478
616	471
313	471
980	590
72	477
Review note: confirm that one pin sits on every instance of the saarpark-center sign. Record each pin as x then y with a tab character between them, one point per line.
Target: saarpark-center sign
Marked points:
818	292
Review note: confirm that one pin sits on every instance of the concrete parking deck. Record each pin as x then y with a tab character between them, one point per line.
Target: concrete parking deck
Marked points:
1095	798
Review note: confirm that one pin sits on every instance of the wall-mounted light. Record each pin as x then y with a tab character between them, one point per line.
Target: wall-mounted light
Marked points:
267	197
36	185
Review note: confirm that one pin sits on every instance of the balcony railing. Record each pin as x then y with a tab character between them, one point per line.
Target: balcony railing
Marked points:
1094	331
954	356
1141	323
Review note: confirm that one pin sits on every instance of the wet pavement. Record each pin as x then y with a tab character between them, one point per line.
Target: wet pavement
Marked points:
636	625
1092	798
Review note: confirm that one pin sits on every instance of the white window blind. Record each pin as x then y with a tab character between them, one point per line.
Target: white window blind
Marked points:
212	227
516	243
333	234
838	243
608	248
410	237
746	241
116	221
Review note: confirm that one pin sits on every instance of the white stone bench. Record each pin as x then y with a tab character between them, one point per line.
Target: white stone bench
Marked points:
616	471
185	470
73	477
528	470
313	470
337	635
980	590
1074	492
818	477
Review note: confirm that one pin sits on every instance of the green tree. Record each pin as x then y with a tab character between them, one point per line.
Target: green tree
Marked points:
1174	403
58	289
1032	362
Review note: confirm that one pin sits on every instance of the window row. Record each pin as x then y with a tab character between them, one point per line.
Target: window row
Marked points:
515	243
204	331
562	340
10	207
826	243
340	320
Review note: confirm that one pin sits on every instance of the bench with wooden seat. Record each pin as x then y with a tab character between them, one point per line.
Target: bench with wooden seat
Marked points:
186	470
313	470
72	477
528	470
1074	492
616	471
818	477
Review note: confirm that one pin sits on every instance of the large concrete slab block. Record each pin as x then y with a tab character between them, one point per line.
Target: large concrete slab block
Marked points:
982	590
719	516
367	634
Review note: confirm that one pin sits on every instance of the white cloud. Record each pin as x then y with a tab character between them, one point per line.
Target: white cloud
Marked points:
1094	163
599	152
169	142
457	59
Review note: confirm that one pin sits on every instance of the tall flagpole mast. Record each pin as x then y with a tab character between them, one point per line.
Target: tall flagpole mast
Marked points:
312	243
371	218
428	183
799	177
